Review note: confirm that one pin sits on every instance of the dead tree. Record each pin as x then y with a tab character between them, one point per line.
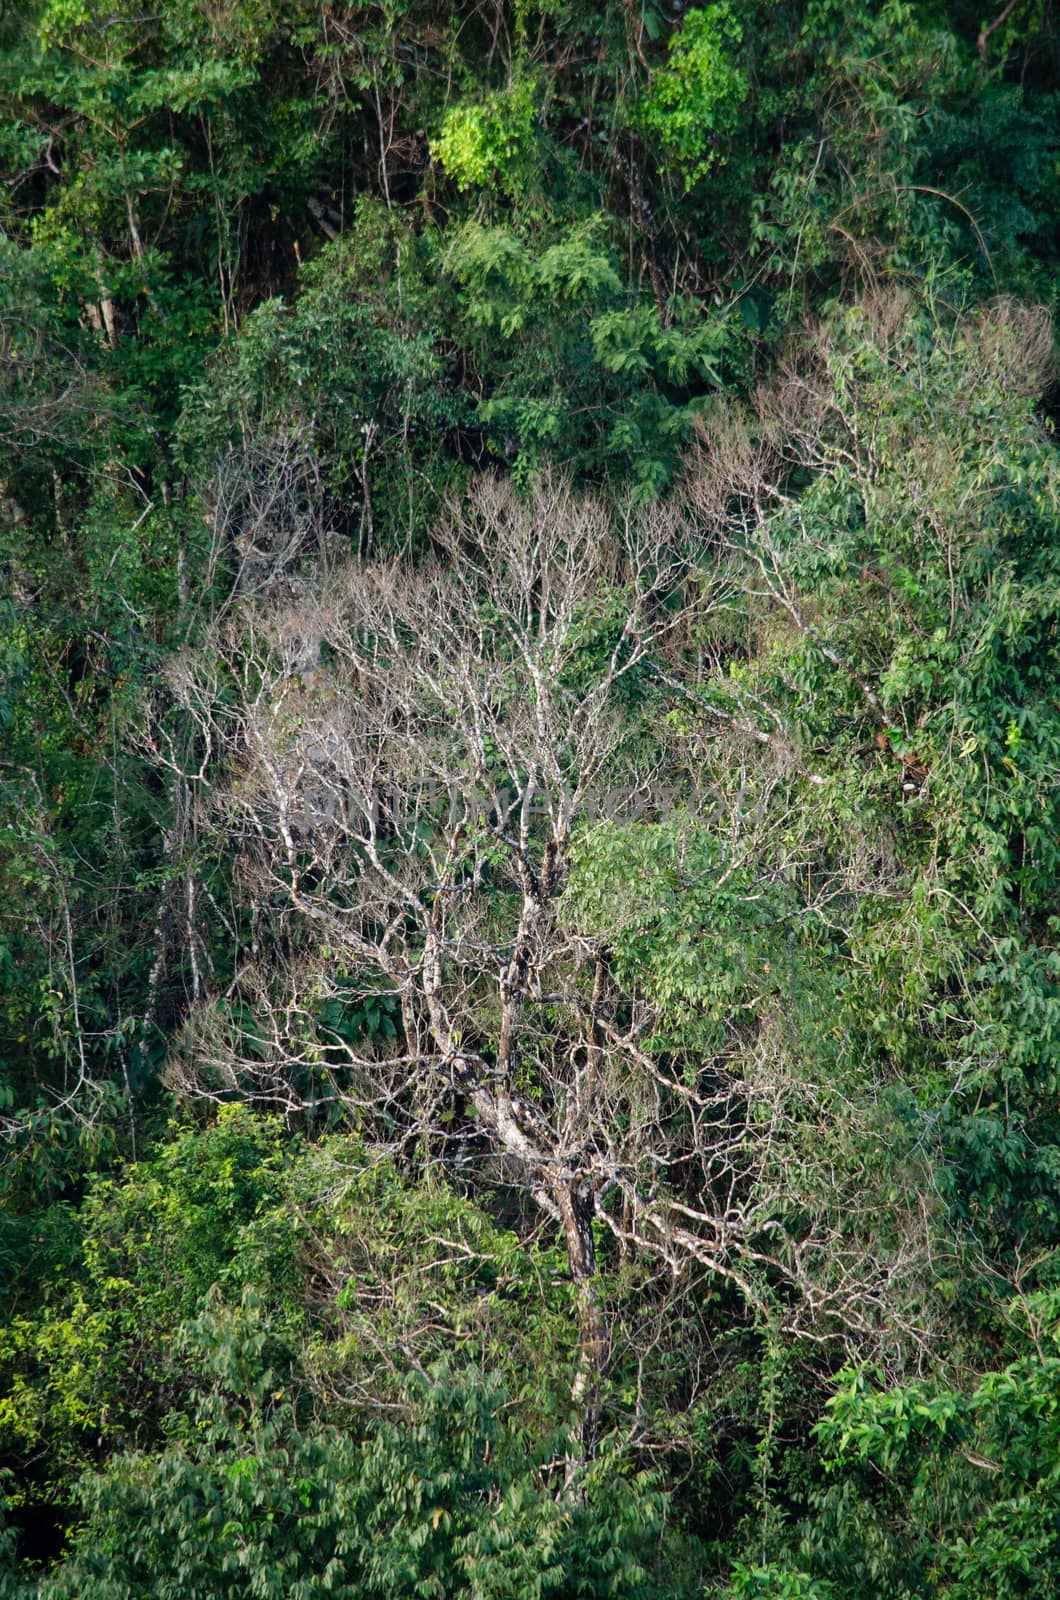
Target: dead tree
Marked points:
402	764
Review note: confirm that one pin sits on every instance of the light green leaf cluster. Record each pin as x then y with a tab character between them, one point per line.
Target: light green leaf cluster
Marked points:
490	140
694	103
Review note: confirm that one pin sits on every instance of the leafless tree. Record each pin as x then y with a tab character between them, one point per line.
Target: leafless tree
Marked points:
404	763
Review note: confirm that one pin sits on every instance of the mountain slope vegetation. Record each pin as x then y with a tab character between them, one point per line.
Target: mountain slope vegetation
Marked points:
529	837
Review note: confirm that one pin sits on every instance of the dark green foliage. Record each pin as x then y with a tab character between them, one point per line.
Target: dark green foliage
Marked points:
587	372
450	1503
352	1292
925	641
930	1492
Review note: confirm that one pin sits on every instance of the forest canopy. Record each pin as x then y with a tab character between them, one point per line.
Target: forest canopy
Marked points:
529	809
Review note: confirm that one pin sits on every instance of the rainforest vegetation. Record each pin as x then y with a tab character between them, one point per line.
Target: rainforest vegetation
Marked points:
529	800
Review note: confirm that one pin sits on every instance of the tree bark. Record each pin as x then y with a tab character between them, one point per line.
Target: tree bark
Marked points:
576	1215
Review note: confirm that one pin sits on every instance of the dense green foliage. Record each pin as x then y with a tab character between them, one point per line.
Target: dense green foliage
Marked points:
529	821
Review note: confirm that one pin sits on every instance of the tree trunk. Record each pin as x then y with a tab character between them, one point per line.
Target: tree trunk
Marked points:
576	1214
